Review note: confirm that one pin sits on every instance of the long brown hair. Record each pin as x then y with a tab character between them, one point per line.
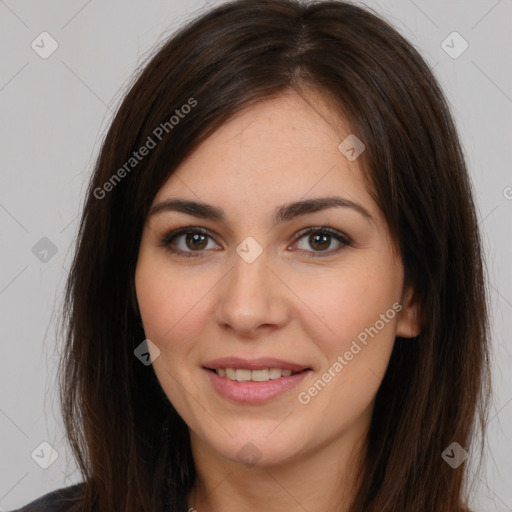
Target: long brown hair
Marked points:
132	447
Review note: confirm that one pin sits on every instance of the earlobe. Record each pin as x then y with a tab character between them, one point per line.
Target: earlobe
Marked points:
408	325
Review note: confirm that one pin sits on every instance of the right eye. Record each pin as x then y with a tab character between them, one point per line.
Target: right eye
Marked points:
187	241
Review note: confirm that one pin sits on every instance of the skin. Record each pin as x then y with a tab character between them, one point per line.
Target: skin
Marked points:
285	304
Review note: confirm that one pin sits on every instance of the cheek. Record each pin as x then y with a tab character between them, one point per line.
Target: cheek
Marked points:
172	315
358	310
361	310
170	304
350	302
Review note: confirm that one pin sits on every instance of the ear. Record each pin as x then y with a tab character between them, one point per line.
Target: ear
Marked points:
408	325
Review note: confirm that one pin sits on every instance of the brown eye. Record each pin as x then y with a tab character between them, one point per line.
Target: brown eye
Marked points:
189	241
196	241
321	240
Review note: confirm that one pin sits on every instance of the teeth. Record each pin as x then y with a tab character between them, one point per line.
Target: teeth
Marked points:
262	375
242	374
274	373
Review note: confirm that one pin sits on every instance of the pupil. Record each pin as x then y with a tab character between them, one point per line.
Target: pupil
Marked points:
197	240
320	240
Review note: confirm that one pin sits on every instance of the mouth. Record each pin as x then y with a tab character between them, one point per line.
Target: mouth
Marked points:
254	381
262	375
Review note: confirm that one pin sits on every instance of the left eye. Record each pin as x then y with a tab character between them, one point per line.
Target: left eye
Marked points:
320	239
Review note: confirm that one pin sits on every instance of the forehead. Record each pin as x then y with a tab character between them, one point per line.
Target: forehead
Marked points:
274	152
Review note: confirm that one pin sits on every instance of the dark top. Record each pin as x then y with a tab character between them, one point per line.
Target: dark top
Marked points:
56	501
61	500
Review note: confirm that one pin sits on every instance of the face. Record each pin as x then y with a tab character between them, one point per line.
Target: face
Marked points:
255	283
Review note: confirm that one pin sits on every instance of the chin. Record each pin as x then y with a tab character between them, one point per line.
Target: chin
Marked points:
254	451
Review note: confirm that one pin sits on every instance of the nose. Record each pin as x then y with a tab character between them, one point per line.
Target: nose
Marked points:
251	300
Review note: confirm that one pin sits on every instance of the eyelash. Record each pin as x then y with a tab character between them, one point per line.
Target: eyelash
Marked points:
168	238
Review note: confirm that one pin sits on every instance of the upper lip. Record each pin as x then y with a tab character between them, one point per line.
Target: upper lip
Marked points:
259	363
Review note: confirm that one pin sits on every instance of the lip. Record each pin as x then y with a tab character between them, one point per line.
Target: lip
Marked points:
254	364
252	392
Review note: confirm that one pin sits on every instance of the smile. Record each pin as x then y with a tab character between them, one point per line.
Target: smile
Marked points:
243	375
253	381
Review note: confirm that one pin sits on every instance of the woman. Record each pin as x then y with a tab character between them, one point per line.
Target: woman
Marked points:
277	297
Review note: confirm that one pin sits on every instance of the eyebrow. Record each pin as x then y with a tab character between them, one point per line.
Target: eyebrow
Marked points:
283	213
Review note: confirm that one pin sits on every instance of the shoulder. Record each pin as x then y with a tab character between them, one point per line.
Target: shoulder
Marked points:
59	500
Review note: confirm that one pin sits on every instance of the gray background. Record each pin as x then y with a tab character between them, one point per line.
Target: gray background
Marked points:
54	114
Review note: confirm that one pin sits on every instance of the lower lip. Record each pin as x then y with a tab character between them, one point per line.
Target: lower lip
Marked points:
252	392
